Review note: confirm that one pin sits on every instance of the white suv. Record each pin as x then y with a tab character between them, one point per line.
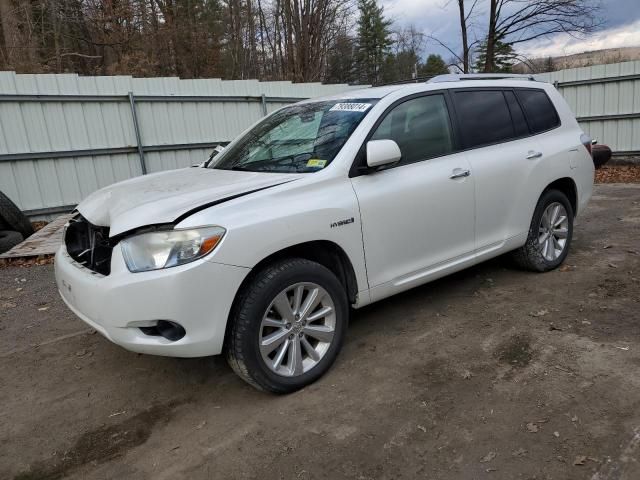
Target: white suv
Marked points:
324	205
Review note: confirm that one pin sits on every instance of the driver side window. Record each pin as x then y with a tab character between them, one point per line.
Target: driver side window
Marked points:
420	127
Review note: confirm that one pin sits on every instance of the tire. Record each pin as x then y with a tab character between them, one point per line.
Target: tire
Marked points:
601	154
247	332
13	217
9	239
531	256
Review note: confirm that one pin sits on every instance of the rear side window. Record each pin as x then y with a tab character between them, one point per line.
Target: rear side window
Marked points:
539	110
484	117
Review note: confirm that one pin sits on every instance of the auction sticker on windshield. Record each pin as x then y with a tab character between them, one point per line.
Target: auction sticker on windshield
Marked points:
350	107
316	163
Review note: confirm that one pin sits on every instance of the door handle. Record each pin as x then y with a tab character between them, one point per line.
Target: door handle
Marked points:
533	155
459	173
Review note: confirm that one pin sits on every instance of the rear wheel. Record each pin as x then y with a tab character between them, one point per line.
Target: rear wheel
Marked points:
550	234
287	326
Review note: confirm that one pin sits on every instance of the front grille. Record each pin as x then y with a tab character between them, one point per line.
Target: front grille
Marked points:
89	245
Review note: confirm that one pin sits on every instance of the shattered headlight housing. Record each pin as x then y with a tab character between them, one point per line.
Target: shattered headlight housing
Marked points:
169	248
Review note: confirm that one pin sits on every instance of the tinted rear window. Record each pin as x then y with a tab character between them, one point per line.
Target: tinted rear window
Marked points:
539	110
484	117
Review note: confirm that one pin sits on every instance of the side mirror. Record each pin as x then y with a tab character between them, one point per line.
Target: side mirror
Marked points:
382	152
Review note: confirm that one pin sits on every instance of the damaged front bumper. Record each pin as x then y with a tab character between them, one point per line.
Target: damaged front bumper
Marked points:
122	306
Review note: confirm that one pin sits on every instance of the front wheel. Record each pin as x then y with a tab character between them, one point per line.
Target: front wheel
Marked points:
287	326
550	234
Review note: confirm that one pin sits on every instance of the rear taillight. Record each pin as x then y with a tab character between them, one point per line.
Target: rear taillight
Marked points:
586	141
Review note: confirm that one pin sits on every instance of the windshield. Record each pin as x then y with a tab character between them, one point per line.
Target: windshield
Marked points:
299	138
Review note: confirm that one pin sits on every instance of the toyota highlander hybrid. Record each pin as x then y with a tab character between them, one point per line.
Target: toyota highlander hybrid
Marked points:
322	206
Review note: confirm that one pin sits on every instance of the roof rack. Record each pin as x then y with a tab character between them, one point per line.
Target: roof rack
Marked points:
405	80
454	77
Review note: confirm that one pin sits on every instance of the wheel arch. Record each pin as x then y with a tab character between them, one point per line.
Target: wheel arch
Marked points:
567	186
325	252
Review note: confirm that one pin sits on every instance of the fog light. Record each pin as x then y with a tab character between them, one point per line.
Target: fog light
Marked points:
164	328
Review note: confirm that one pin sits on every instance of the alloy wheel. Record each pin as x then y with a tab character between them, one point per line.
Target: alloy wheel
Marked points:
297	329
553	231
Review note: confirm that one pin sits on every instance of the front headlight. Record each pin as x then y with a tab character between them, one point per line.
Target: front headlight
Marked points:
169	248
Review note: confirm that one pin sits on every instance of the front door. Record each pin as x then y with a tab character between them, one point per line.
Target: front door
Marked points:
418	215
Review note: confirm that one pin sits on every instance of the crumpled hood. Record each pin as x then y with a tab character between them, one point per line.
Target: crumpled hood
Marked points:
163	197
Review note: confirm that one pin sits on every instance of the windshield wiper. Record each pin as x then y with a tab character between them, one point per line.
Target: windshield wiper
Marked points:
258	166
242	168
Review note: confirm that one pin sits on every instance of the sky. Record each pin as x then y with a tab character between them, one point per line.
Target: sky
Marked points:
440	19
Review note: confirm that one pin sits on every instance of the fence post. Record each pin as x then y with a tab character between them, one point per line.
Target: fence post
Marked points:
264	105
136	127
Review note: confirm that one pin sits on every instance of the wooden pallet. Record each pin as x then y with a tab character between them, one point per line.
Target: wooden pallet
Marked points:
44	242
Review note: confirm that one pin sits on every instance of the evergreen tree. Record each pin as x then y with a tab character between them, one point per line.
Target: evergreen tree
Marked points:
434	65
374	40
341	60
503	58
399	66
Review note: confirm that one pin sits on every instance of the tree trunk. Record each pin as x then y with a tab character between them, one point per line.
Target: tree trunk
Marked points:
491	37
8	22
17	44
465	41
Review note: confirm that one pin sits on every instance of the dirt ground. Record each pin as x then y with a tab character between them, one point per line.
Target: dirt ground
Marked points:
491	373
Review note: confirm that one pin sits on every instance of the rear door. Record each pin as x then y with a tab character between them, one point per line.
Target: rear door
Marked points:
502	155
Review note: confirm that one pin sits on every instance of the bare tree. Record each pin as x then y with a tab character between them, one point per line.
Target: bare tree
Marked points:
461	61
465	17
517	21
296	36
270	39
17	39
406	50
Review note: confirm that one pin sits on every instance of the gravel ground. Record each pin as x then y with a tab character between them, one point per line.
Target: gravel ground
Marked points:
491	373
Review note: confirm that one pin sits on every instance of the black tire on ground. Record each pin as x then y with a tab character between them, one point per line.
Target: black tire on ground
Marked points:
243	333
530	256
9	239
13	217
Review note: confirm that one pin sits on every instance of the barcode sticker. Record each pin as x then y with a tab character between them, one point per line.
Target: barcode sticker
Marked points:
350	107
